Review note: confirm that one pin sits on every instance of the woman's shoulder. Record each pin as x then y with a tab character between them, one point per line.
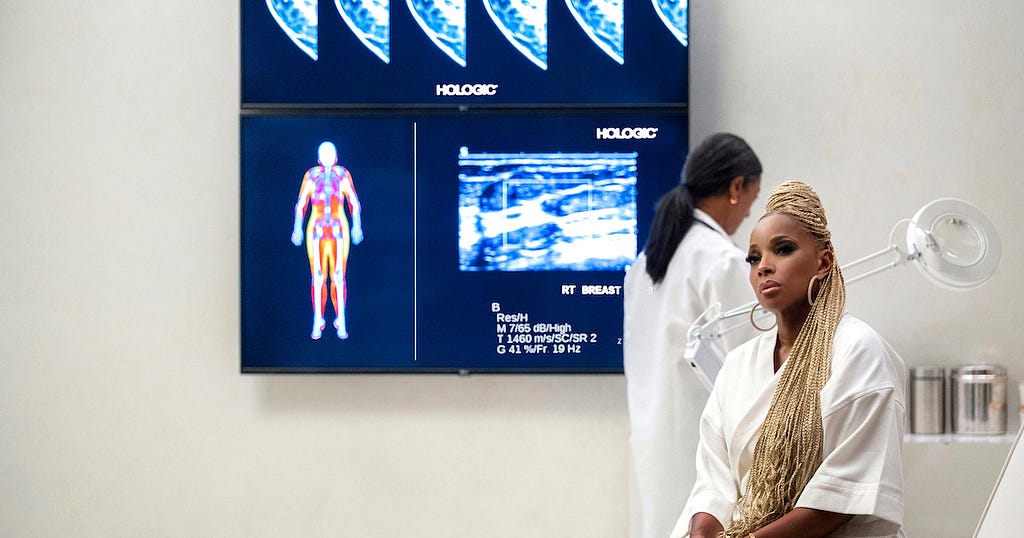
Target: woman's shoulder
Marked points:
860	353
853	334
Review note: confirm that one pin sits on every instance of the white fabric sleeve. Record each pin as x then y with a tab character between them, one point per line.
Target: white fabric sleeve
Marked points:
862	470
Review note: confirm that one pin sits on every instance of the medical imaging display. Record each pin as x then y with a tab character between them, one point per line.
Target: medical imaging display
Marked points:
451	185
462	52
427	241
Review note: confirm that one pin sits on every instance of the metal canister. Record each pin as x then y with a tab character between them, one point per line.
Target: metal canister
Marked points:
978	403
927	399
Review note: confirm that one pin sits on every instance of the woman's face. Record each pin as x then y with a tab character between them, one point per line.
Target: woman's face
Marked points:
783	256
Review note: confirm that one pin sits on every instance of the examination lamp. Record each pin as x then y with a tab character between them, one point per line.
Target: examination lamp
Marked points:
951	242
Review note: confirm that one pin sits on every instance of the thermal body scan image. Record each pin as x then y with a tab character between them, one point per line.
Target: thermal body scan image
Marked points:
547	211
325	190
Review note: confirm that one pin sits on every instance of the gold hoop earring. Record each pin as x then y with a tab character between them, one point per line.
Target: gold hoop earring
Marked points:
755	325
810	287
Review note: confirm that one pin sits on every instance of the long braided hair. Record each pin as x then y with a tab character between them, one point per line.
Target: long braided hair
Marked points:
789	448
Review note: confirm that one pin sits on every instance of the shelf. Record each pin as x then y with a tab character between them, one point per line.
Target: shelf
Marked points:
948	438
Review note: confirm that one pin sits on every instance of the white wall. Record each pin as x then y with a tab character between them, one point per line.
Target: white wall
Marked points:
121	408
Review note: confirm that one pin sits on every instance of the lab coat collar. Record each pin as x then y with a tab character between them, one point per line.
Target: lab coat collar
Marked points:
710	222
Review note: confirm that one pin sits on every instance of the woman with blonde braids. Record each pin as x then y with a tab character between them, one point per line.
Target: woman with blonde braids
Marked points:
802	434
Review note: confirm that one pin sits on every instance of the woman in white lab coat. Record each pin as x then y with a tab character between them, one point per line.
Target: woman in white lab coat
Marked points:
688	264
802	434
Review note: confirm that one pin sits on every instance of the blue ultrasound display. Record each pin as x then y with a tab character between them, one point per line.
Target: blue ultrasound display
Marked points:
547	211
464	52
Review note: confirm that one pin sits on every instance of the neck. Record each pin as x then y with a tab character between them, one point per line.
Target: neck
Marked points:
718	208
791	321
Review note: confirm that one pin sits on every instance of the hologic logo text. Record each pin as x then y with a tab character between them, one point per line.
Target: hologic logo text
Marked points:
454	90
626	133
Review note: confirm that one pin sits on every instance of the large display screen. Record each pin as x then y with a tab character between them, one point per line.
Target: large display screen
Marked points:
445	241
464	52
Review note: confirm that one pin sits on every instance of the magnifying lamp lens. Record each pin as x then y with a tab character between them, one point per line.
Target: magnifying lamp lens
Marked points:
956	244
959	242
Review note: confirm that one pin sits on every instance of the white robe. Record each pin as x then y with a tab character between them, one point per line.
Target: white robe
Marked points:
665	398
863	416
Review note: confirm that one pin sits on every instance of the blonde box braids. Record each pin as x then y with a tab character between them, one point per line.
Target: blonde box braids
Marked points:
789	449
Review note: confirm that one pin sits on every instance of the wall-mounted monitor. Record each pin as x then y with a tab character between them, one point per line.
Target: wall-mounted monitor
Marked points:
445	241
451	53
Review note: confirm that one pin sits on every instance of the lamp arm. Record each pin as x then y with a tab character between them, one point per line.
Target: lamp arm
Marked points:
899	257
